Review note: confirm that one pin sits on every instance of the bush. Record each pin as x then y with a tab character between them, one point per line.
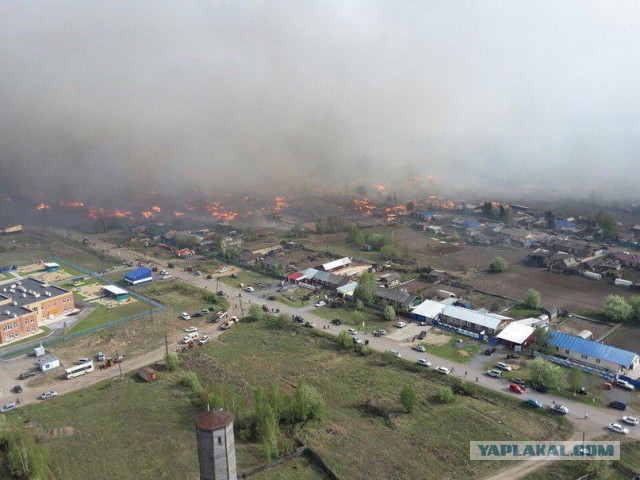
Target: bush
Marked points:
617	309
255	312
445	395
308	403
389	313
498	265
173	362
532	299
191	381
215	401
344	340
408	398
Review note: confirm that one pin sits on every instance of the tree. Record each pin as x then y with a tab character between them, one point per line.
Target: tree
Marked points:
355	236
186	241
543	371
255	312
411	206
532	299
445	395
576	378
191	381
635	304
541	339
25	458
173	362
357	317
550	218
308	403
617	309
215	401
607	224
366	287
408	398
389	313
270	433
345	341
598	469
487	209
498	265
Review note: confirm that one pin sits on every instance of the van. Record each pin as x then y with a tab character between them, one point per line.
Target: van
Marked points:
190	337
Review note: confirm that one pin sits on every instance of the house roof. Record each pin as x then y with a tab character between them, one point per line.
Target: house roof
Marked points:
52	265
23	293
341	262
516	333
114	289
627	257
321	276
471	316
308	273
394	295
294	276
138	274
347	288
429	309
390	277
594	349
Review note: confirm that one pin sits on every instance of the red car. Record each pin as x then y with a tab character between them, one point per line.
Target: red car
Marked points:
514	387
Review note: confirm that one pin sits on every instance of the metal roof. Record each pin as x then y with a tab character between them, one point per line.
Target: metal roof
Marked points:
308	273
471	316
138	274
23	293
347	288
594	349
516	333
321	276
341	262
429	309
115	290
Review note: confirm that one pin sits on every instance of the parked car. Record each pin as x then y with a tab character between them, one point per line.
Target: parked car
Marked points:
221	293
422	334
518	381
229	323
618	405
203	340
101	357
356	339
582	391
504	366
249	289
443	370
423	362
561	409
336	321
49	394
321	303
617	428
223	270
629	420
395	353
607	386
380	333
191	329
26	374
298	319
166	276
514	387
534	402
419	348
490	351
220	314
185	316
352	331
401	324
17	389
540	388
494	373
309	324
197	314
8	407
625	385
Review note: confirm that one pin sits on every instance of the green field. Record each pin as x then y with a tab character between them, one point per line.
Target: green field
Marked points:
449	350
151	435
102	315
522	311
247	277
373	318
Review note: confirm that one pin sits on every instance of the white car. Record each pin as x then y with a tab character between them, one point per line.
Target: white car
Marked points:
401	324
191	329
185	316
83	360
503	366
356	339
164	272
204	339
419	348
629	420
249	289
395	353
321	303
8	407
561	409
494	373
625	385
352	331
166	276
49	394
443	370
223	270
424	362
617	428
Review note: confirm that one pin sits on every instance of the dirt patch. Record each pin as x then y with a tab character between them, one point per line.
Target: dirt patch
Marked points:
46	435
436	339
573	326
463	353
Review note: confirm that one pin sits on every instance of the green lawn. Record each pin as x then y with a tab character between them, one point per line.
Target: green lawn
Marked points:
586	312
351	316
522	311
449	350
248	278
130	429
102	315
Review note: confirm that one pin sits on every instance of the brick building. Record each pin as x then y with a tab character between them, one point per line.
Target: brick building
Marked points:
24	304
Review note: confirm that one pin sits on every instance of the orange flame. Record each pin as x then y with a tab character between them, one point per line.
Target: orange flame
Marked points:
178	214
148	215
43	206
156	209
67	203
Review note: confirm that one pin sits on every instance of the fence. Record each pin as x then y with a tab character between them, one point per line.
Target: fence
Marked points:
48	342
461	331
570	364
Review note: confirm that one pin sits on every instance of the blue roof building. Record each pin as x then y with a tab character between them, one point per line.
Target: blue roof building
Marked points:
138	276
594	354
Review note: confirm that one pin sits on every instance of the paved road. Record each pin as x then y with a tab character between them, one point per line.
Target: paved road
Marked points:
597	420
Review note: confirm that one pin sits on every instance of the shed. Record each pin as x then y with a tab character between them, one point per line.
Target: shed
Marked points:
586	334
51	267
147	374
115	292
48	363
517	334
428	310
138	276
40	351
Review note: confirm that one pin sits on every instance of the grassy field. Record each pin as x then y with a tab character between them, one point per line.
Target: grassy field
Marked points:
452	350
587	312
102	315
247	277
151	432
522	311
372	318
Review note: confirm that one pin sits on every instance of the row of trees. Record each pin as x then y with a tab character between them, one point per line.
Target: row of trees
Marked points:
331	224
502	213
619	309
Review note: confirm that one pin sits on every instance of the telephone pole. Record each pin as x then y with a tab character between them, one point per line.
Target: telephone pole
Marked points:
166	343
119	364
241	308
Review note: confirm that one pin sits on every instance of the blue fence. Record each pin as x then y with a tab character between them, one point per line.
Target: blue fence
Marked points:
570	364
48	342
461	331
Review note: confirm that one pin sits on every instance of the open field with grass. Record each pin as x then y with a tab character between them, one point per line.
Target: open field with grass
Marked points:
373	319
522	311
626	337
453	349
153	436
102	315
247	277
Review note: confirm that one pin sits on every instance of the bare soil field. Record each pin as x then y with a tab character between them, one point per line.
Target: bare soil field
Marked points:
574	326
625	337
557	290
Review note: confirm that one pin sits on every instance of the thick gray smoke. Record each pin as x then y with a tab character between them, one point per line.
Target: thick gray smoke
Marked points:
102	97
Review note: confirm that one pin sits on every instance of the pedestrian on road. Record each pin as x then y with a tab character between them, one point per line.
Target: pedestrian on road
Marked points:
477	379
453	369
554	402
18	401
465	373
586	415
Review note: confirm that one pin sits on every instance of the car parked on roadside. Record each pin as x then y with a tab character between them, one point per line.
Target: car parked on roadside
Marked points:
17	389
514	387
625	385
203	340
423	362
356	340
629	420
185	316
534	402
395	353
518	381
49	394
380	332
223	270
443	370
321	303
422	334
401	324
27	374
166	276
419	348
336	321
618	405
540	387
489	351
494	373
191	329
561	409
352	331
249	289
617	428
220	314
504	366
309	324
8	407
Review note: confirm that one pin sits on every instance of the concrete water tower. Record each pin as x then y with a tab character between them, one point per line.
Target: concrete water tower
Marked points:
216	447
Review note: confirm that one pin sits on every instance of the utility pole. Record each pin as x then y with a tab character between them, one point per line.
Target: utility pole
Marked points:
240	300
166	343
119	364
